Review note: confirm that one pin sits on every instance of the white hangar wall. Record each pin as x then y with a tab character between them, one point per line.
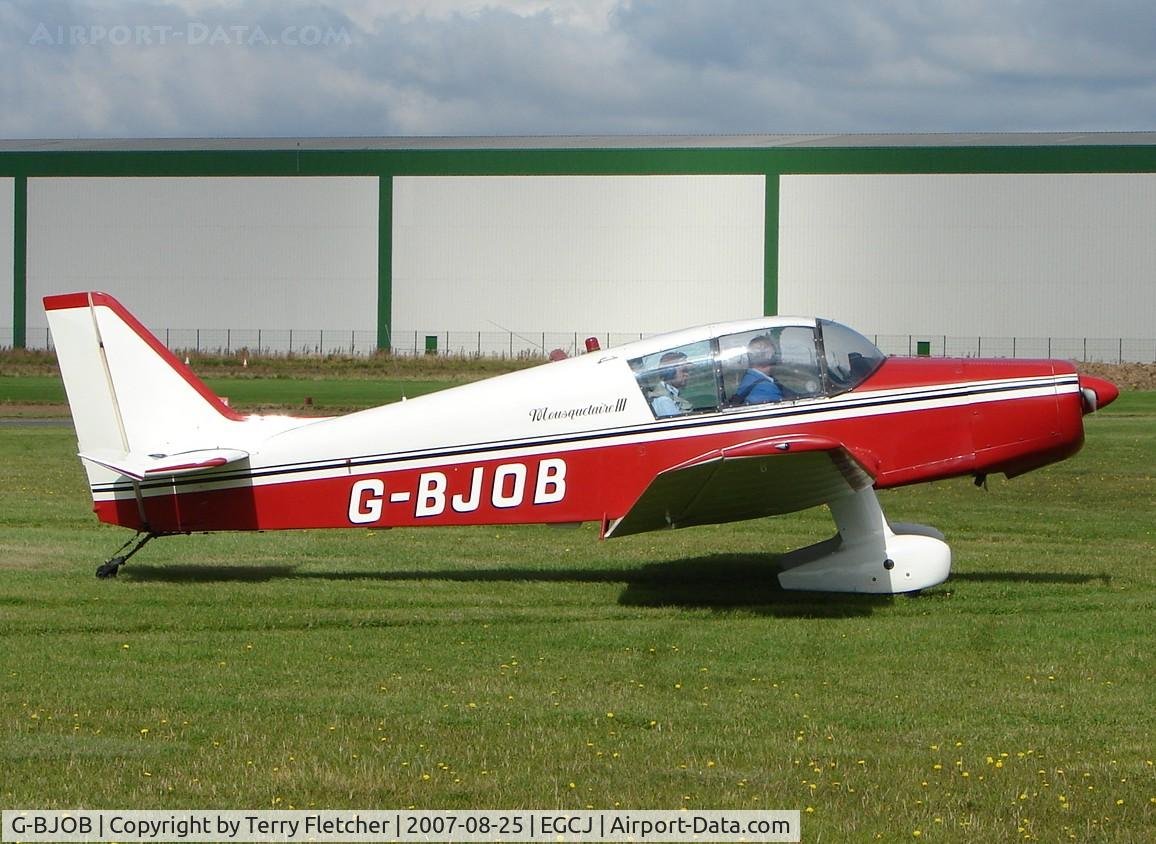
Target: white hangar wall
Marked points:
1021	255
576	253
7	247
209	252
547	240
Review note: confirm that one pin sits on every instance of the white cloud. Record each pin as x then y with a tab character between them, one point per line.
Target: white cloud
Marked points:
71	68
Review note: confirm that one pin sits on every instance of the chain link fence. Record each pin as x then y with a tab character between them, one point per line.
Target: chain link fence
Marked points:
1088	349
504	344
256	342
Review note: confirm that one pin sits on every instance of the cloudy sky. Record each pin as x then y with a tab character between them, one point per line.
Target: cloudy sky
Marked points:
172	68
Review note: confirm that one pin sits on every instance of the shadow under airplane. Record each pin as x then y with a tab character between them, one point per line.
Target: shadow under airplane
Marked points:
740	583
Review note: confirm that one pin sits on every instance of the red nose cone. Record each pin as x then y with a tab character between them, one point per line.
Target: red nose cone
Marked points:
1098	393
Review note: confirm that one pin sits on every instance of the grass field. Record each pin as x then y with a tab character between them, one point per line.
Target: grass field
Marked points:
537	667
250	394
30	383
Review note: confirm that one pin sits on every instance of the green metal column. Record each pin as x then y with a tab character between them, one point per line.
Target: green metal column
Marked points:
20	262
384	262
771	246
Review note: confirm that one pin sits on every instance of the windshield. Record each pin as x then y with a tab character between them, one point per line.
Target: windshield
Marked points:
850	356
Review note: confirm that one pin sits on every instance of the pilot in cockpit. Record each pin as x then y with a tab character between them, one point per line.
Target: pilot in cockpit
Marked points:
758	385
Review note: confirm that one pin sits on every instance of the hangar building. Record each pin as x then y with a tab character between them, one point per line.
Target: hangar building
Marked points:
1026	244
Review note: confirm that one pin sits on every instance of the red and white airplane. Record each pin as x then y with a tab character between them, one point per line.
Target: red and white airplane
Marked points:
711	424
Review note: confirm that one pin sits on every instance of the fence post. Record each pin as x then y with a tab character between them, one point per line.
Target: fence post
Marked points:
198	341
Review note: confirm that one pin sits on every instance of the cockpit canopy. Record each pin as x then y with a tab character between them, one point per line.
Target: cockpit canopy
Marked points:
765	364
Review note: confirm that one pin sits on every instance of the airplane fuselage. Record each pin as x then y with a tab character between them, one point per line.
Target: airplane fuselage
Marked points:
711	424
574	441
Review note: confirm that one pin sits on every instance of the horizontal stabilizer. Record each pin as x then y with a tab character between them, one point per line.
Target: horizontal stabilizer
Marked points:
759	478
141	466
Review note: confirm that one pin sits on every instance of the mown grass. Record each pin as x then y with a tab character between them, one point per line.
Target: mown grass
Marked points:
30	380
248	394
326	386
539	667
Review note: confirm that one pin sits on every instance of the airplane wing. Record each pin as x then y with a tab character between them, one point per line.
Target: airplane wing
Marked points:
141	466
763	477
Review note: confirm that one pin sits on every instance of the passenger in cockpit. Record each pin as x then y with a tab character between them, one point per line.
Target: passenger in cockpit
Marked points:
674	375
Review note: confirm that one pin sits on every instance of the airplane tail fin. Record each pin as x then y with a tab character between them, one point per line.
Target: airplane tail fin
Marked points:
138	411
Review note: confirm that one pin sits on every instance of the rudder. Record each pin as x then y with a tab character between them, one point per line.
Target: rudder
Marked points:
133	403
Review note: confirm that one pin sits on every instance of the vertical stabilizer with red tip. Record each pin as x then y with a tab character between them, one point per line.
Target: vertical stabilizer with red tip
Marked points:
137	409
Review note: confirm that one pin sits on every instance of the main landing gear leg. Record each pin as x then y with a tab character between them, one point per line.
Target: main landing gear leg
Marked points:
110	567
868	554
